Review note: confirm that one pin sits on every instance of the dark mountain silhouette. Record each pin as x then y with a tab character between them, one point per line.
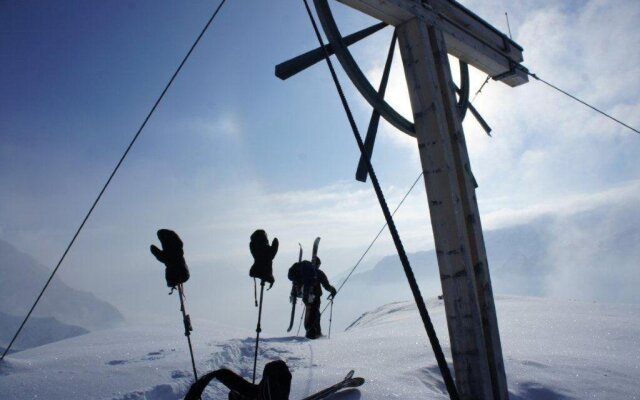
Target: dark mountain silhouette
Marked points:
22	278
37	331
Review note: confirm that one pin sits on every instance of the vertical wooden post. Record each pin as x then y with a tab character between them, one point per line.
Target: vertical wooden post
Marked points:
438	131
469	203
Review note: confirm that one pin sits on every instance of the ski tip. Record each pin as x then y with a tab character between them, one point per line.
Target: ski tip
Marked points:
355	382
350	375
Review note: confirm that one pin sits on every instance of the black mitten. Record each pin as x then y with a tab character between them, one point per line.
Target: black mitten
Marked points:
263	255
172	256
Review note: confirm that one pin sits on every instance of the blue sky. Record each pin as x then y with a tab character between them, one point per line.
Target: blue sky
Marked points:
232	148
93	69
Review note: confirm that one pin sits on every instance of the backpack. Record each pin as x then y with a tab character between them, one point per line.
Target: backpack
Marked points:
172	256
263	255
304	276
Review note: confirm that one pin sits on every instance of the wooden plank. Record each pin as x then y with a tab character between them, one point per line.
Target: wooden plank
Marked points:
462	45
475	238
472	46
467	20
447	214
390	11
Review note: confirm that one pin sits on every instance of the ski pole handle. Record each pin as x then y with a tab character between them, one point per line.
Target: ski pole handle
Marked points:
187	325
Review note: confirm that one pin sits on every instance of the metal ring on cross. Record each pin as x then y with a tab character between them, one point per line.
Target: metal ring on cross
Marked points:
363	85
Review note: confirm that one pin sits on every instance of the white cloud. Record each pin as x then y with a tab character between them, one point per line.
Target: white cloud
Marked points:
503	213
595	254
227	124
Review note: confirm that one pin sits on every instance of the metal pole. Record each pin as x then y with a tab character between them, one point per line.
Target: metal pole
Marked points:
187	329
301	318
258	330
330	318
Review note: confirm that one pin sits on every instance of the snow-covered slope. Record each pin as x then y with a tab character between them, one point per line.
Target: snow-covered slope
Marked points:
553	350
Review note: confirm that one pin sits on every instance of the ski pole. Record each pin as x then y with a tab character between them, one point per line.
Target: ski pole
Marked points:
330	318
258	330
187	328
255	291
301	318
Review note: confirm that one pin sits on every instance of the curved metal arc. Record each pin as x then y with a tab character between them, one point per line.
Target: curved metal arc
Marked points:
373	97
361	172
355	74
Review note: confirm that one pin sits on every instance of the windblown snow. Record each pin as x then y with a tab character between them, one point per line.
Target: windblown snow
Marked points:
553	350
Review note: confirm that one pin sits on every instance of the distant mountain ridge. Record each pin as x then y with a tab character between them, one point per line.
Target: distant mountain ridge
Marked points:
37	332
590	255
22	278
515	253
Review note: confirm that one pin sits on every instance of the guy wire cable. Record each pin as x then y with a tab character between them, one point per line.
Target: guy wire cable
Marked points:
376	238
536	77
104	188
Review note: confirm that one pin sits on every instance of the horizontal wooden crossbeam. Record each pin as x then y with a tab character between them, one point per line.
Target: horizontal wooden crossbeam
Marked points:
467	36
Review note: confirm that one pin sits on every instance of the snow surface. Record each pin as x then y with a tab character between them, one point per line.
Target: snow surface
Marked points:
553	350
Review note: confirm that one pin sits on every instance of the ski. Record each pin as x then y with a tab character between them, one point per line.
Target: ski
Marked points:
316	243
348	382
294	296
294	299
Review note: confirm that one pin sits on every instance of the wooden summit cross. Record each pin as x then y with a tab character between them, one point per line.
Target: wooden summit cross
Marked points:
428	30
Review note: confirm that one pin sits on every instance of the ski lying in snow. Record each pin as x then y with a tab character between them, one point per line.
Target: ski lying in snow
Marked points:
348	382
